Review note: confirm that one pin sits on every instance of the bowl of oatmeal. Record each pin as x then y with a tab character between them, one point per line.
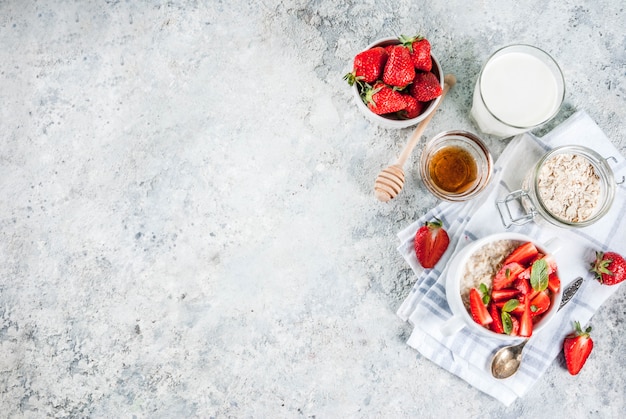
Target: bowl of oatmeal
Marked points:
570	186
517	281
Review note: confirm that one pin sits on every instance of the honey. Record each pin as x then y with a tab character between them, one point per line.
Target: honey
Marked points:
453	169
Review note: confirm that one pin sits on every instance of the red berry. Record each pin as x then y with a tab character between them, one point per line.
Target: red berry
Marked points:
413	107
576	349
425	87
478	310
382	99
430	243
399	70
368	66
609	267
419	47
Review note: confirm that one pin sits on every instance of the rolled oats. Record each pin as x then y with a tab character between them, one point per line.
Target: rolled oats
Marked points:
569	187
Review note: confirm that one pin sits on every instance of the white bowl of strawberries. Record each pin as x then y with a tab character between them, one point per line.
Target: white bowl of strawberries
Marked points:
504	286
396	82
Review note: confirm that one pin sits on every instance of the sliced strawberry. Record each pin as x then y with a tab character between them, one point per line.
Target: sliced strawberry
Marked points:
430	243
506	275
478	309
539	304
532	294
554	282
576	348
496	325
526	322
519	310
551	263
516	326
523	254
526	273
504	294
523	286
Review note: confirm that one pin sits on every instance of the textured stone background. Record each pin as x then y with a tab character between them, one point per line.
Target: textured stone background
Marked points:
187	223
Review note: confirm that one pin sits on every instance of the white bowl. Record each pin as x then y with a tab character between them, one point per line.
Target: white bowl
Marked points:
461	317
389	122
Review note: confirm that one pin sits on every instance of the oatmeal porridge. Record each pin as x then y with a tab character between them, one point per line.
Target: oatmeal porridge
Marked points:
483	264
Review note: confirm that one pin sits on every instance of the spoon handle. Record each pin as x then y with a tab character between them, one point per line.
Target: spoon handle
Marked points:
449	80
570	291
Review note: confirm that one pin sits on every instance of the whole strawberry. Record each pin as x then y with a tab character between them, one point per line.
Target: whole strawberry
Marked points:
399	70
576	348
382	99
425	87
609	267
368	66
430	243
419	48
412	108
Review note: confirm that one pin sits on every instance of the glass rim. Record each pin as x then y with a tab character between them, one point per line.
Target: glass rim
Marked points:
550	58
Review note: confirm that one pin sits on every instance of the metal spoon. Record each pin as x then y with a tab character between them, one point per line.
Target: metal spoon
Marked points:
507	360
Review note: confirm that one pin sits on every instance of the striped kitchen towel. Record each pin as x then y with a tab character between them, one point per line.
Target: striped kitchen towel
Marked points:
468	356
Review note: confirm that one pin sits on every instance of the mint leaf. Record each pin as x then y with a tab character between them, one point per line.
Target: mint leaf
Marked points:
507	323
510	305
485	292
539	275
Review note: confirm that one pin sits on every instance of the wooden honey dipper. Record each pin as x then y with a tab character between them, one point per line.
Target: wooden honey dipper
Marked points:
390	181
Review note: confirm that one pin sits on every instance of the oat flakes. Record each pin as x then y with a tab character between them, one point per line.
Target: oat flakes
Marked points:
569	187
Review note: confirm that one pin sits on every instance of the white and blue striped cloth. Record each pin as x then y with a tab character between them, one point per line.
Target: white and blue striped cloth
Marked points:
467	355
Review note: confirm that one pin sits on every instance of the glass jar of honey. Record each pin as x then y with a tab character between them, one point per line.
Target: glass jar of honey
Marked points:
456	165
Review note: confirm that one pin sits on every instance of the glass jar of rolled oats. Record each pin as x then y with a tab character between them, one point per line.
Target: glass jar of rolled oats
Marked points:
570	186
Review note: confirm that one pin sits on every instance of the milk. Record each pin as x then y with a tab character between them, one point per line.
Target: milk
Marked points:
519	91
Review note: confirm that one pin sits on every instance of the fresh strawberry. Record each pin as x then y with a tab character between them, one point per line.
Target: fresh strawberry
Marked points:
430	243
496	325
425	87
576	348
522	285
515	326
504	294
551	263
554	282
523	254
609	267
382	99
419	48
399	70
519	309
368	66
540	303
526	322
478	309
506	275
412	109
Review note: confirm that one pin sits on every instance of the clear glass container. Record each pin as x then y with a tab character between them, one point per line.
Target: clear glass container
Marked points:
456	166
578	192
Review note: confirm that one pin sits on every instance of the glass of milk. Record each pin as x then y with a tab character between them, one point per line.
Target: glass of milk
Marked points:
519	88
